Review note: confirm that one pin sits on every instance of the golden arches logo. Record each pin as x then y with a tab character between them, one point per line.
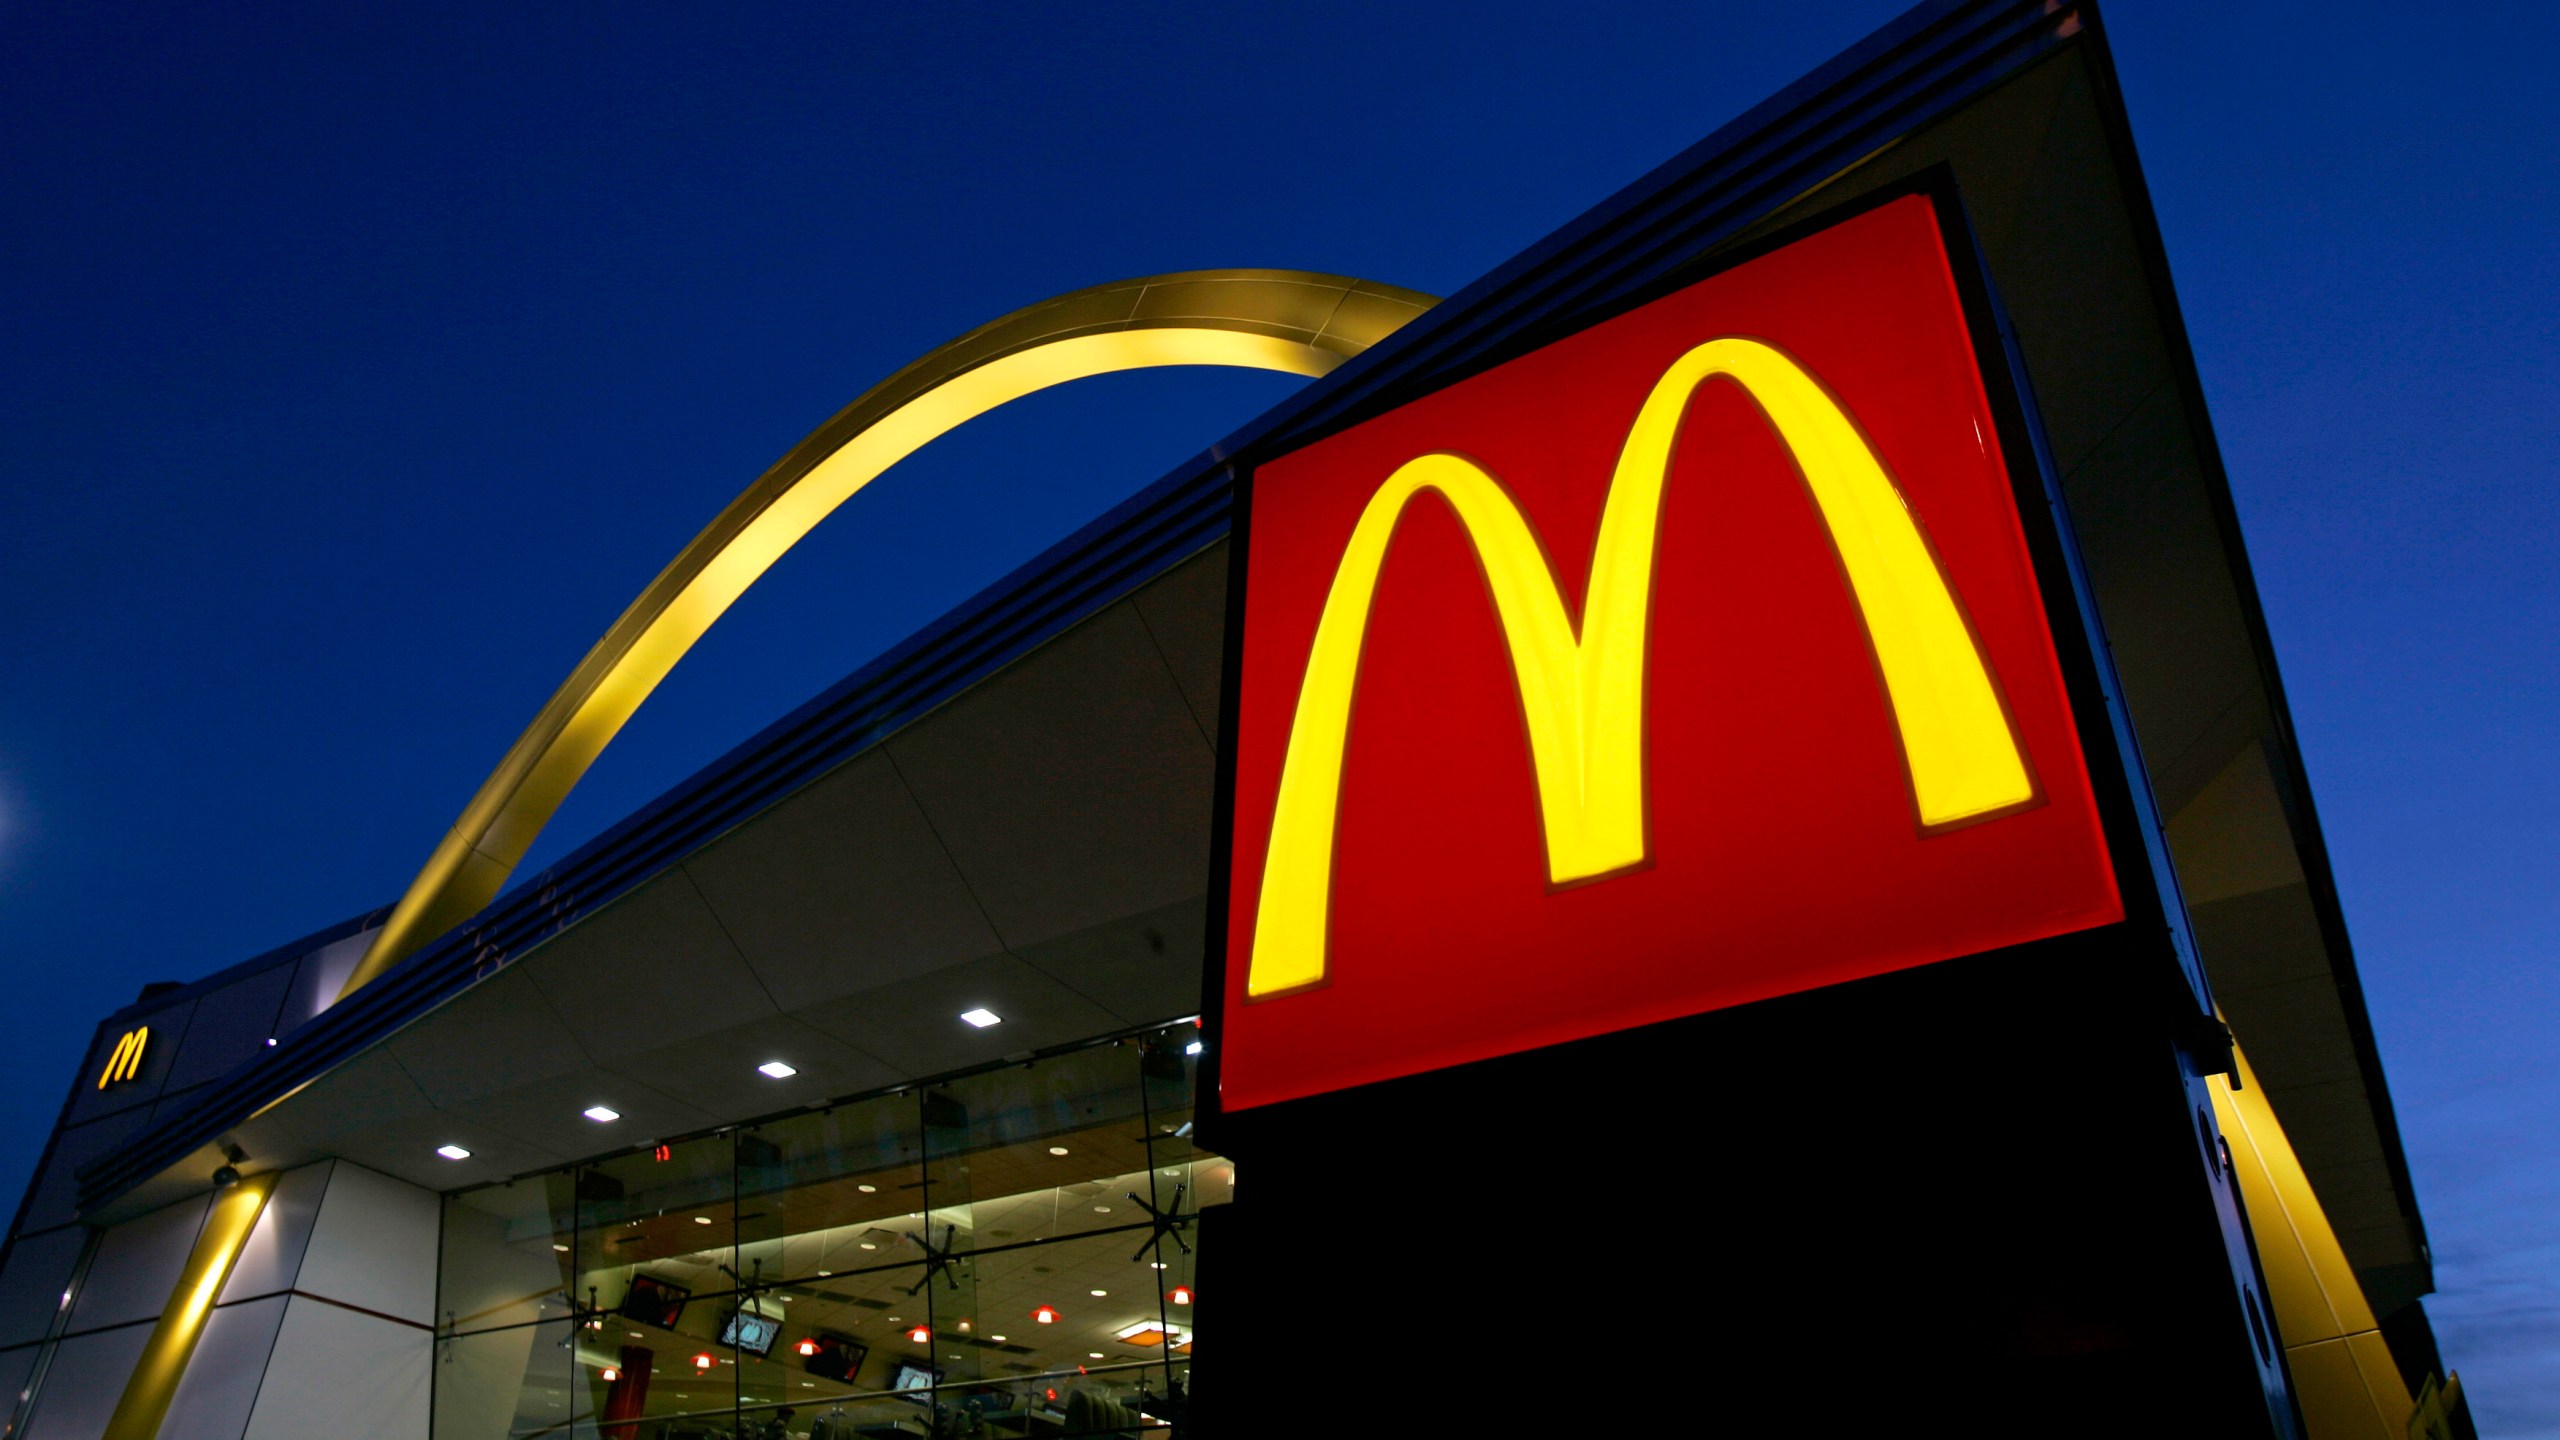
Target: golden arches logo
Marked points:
1582	690
1291	321
126	1063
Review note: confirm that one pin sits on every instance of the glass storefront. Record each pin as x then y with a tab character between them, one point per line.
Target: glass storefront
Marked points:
1008	1253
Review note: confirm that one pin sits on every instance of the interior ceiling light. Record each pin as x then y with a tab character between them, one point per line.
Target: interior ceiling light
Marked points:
808	1347
702	1361
868	1189
453	1152
1098	1294
921	1334
1150	1333
1194	1048
778	1069
1179	1294
701	1219
1046	1314
996	1339
608	1374
1057	1149
982	1017
601	1114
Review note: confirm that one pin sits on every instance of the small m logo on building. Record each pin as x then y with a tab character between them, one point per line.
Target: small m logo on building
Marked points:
126	1063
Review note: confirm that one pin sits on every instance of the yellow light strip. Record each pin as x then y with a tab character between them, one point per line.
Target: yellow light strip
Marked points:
154	1381
2344	1376
1583	696
1285	320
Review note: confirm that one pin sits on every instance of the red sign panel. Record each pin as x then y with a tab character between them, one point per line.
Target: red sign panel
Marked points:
1690	660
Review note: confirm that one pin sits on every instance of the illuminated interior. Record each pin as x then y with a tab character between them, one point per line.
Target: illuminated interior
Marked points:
882	1265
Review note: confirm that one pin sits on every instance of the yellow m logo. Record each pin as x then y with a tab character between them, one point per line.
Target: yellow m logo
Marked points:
126	1062
1582	693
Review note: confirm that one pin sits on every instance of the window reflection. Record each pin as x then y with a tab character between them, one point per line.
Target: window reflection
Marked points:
1007	1253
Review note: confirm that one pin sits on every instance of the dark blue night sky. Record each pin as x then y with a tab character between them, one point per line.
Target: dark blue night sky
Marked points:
358	366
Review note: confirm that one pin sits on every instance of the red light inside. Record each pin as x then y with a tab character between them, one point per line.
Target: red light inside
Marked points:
921	1334
702	1361
1046	1314
808	1347
1179	1294
663	1154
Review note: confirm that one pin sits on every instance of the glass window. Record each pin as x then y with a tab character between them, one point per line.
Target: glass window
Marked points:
1001	1253
506	1255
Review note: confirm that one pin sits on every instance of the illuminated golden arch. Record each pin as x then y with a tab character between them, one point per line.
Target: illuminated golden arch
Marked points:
1286	320
1583	694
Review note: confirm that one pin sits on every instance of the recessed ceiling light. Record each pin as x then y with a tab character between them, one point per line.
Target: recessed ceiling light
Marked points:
453	1152
1194	1048
701	1219
982	1017
1101	1209
868	1189
998	1339
1096	1354
563	1249
1100	1293
1057	1149
601	1114
779	1070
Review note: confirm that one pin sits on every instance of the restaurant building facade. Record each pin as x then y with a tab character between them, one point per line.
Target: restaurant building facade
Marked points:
1711	819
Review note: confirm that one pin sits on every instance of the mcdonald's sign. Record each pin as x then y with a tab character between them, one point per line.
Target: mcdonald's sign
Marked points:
125	1062
1694	658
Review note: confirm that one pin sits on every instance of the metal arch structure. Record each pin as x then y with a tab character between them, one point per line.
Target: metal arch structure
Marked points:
1293	321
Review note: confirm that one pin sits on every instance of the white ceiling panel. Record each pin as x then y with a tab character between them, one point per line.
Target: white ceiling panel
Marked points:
840	888
718	1072
650	969
550	1114
915	1024
498	1035
372	1089
1186	613
1073	788
406	1150
1142	969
